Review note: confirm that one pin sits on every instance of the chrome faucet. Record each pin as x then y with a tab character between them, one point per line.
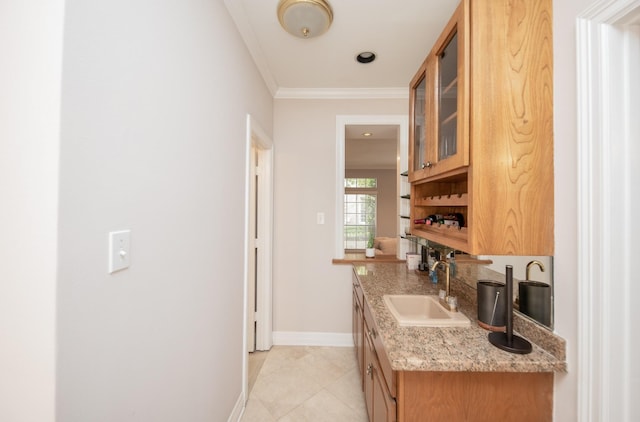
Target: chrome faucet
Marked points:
450	305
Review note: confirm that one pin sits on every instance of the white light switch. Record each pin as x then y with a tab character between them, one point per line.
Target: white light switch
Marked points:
320	218
119	250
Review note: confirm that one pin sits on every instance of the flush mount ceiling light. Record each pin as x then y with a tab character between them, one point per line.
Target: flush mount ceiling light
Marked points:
366	57
305	18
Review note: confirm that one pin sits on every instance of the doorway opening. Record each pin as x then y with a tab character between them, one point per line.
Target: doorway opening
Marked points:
369	147
258	240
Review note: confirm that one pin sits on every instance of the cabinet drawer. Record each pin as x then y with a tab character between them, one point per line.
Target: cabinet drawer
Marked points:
385	366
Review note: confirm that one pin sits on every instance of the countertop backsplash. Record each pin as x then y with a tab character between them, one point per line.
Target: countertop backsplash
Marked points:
464	285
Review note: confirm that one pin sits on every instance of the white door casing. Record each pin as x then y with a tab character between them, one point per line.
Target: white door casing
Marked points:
608	75
342	121
252	256
258	259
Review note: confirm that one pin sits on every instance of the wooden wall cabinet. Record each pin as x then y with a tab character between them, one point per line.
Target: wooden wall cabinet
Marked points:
500	176
439	103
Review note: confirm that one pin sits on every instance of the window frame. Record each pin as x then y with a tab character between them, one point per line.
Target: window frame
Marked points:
373	191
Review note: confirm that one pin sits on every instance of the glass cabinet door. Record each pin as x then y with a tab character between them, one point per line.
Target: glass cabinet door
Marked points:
448	139
448	100
418	124
419	120
439	103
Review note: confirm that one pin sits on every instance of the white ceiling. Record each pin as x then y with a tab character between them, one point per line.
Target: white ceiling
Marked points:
400	32
378	151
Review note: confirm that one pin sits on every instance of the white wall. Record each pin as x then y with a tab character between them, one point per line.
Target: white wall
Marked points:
310	293
31	51
566	284
155	97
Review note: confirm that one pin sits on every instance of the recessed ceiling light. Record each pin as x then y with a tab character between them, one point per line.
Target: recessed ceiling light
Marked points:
366	57
367	134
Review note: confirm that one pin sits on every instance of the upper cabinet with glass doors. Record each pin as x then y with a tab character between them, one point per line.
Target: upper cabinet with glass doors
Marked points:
439	103
481	107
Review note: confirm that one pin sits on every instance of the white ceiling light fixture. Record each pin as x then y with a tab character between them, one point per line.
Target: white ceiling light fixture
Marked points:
305	18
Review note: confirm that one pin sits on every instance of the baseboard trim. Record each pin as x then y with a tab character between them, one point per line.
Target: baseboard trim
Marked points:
293	338
238	409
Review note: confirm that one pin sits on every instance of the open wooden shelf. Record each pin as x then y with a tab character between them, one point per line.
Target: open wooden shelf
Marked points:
455	200
454	237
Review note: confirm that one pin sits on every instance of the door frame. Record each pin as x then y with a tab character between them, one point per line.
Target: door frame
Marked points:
608	128
257	138
342	121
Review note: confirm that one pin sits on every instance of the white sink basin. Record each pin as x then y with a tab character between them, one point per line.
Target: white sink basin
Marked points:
423	311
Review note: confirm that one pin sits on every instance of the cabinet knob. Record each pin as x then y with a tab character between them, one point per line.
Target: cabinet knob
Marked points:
428	164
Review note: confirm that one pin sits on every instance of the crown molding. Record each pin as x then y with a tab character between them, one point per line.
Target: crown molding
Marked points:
238	14
343	93
250	40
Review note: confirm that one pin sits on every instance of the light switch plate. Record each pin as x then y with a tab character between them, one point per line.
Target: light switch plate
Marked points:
320	218
119	250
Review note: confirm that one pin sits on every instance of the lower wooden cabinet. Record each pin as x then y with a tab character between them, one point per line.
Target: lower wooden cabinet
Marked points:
475	396
381	407
419	396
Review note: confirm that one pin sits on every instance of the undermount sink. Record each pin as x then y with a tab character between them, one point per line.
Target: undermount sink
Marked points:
423	311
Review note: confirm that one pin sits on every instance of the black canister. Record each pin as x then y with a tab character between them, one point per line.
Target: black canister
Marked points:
492	305
535	300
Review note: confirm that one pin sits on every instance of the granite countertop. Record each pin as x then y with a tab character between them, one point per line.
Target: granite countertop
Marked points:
350	258
438	349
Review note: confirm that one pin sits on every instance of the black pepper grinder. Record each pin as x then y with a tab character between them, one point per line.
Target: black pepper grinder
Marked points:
508	341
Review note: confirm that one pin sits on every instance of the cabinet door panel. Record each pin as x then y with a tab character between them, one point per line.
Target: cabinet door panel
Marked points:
417	125
386	373
419	122
384	407
450	137
448	100
381	407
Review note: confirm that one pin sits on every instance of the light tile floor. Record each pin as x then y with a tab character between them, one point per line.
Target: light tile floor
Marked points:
307	384
256	360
